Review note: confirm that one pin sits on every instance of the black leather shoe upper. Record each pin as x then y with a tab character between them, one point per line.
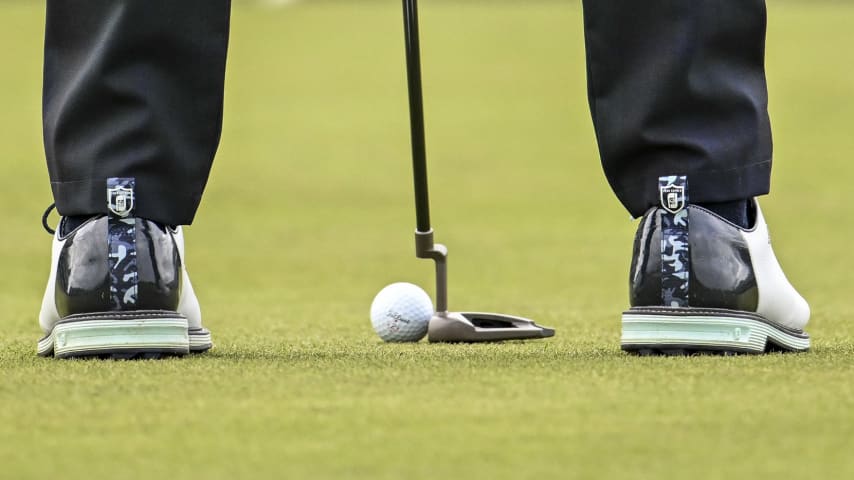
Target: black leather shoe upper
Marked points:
82	277
721	273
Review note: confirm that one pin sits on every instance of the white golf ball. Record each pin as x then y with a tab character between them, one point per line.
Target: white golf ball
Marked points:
401	313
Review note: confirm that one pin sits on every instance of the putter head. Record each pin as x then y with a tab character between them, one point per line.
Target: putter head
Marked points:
467	327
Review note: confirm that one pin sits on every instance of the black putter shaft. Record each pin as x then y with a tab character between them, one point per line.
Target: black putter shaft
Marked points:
424	246
416	115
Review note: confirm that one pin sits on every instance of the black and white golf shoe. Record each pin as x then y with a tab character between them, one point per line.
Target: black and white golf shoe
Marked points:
699	283
118	288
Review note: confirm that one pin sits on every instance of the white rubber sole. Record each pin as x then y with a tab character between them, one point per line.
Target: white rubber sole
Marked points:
118	334
649	330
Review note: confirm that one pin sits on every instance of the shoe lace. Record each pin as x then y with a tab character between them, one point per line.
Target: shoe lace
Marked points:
46	226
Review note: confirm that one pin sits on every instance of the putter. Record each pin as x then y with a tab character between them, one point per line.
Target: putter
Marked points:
446	326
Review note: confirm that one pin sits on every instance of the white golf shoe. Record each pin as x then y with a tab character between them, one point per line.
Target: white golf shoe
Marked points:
699	283
119	288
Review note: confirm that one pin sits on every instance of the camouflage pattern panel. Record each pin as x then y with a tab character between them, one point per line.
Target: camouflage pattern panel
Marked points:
675	252
121	241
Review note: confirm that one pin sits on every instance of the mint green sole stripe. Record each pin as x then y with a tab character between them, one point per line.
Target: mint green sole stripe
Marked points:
706	331
100	335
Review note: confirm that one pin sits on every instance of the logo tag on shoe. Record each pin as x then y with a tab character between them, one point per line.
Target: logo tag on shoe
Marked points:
673	191
121	242
675	249
120	196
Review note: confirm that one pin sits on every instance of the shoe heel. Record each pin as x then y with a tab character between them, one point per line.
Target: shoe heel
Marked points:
685	331
128	334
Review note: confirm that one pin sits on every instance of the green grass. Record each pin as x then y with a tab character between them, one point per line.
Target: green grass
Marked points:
309	213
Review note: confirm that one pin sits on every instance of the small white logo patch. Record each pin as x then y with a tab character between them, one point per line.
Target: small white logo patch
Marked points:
673	198
120	201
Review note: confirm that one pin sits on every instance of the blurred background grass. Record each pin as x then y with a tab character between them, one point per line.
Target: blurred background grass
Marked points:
309	213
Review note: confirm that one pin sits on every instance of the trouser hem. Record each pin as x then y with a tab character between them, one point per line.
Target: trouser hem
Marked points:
170	205
704	186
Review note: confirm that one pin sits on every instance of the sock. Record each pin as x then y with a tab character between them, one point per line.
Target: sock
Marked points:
72	222
737	211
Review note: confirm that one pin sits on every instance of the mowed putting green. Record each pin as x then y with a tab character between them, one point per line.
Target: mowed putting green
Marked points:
309	213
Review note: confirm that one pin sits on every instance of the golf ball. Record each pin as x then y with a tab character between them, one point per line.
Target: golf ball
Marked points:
401	313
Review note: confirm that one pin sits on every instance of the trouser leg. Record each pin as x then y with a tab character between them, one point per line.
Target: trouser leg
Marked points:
677	87
133	88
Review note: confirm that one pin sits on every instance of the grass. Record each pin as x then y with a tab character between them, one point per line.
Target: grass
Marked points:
309	213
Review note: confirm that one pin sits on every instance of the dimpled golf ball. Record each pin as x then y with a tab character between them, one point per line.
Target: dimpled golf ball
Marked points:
401	313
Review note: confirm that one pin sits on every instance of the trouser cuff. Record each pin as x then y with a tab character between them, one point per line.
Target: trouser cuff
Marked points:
706	186
170	205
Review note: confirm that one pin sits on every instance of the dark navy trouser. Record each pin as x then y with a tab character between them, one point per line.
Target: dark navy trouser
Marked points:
678	87
134	88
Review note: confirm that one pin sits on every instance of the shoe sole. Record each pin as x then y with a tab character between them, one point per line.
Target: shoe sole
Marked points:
121	335
200	340
688	331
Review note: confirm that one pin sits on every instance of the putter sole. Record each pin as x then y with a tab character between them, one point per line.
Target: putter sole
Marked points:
686	331
471	327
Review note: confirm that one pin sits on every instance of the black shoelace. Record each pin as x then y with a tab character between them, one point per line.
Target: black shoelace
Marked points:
49	230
